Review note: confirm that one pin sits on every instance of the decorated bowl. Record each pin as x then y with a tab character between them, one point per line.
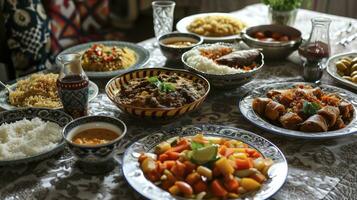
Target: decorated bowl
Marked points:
172	45
94	157
113	88
225	81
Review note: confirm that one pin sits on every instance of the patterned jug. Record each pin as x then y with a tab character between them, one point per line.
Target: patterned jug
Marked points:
72	85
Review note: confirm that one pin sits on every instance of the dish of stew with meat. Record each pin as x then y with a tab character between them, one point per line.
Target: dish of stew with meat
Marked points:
304	108
162	91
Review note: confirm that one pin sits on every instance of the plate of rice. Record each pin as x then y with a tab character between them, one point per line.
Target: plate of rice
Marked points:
106	59
223	64
30	134
39	91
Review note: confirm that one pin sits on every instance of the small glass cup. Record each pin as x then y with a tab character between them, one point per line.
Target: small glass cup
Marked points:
163	14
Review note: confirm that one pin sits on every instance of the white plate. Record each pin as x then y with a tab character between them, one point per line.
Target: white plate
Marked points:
331	69
181	26
4	96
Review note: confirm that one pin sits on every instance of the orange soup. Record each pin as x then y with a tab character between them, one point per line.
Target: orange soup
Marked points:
94	136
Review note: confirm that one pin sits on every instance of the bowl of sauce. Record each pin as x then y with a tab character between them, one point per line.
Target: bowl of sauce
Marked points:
173	45
93	141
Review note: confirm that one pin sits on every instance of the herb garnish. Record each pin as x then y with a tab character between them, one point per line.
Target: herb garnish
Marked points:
196	145
163	86
310	108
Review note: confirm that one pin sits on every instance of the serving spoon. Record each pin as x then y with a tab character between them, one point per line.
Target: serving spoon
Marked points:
5	86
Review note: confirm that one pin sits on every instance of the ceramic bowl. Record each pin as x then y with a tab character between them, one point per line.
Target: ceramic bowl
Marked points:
94	156
154	114
175	53
275	49
225	81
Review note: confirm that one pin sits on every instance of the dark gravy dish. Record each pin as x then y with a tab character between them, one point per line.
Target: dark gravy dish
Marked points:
162	91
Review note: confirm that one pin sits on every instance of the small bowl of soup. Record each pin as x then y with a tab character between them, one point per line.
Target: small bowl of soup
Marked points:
173	45
93	141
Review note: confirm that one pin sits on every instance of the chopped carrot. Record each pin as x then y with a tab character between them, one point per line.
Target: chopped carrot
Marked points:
163	157
231	184
250	151
217	189
181	168
199	186
256	155
193	178
169	163
172	155
179	148
244	163
228	152
153	176
222	150
189	166
160	167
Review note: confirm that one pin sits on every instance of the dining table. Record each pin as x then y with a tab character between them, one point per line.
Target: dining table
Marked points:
317	169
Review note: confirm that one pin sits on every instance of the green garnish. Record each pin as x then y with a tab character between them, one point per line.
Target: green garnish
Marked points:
204	155
310	108
163	86
196	145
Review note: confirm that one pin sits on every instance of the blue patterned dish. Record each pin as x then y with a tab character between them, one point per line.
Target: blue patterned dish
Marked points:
134	175
143	56
55	116
245	106
93	157
5	104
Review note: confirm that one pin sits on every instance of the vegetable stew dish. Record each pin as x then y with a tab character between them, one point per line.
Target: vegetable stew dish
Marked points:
304	108
204	167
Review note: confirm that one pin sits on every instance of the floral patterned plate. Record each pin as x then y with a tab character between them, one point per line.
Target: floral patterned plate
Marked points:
245	106
4	96
134	175
51	115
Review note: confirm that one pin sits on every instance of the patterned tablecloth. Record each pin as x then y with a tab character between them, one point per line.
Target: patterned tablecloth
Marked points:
323	169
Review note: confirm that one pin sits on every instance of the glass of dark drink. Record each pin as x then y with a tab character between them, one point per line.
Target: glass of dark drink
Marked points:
316	50
72	85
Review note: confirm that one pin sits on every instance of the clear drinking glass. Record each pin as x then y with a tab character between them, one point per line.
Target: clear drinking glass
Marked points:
163	13
316	50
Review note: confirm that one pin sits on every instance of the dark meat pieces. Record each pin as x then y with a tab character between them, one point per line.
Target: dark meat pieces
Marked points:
330	113
274	110
240	58
291	120
346	110
259	105
315	123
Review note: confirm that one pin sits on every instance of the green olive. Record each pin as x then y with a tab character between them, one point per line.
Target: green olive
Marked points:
341	66
346	62
347	78
354	67
354	73
354	61
354	79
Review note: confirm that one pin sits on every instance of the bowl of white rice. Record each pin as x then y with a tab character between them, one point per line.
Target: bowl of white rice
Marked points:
30	134
218	74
